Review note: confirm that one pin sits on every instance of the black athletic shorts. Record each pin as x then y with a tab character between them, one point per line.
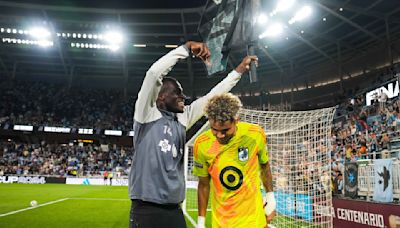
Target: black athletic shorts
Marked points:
151	215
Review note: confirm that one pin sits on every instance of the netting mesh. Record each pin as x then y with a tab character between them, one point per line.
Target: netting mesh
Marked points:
299	153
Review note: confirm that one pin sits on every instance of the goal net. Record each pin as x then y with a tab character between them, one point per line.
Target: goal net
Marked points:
299	151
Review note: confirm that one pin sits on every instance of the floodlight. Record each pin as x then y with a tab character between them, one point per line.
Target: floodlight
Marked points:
324	19
273	30
113	132
304	12
114	37
113	47
139	45
171	46
262	19
87	131
39	32
45	43
283	5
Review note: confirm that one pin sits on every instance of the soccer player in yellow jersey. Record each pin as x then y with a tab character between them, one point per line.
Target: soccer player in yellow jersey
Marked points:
229	160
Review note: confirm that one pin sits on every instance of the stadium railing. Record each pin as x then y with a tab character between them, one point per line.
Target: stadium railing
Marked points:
366	180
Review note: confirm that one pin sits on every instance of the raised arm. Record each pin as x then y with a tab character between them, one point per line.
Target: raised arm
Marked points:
194	111
145	107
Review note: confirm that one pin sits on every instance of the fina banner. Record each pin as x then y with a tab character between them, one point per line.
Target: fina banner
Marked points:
351	180
383	191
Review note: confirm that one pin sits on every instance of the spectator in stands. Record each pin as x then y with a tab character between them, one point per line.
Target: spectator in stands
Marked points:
339	183
45	104
373	143
385	141
362	152
353	157
338	166
382	100
105	175
160	123
385	153
349	151
110	176
222	155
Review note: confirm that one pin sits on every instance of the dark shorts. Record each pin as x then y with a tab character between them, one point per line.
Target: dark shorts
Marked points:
148	215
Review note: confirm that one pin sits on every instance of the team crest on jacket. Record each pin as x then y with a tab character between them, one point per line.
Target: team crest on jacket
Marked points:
243	154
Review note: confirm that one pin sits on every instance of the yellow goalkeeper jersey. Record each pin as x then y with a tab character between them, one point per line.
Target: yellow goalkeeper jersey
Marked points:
234	168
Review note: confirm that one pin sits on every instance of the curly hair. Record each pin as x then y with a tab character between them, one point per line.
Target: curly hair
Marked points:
223	107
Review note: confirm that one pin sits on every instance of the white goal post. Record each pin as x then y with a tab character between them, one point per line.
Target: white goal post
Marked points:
299	151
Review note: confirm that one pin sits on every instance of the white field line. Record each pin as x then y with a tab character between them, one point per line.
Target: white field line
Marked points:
30	208
208	209
190	219
111	199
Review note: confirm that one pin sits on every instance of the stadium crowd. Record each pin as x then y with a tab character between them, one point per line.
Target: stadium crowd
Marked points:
62	160
45	104
364	132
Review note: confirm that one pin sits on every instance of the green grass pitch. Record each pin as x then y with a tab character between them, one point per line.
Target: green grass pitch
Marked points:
77	206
